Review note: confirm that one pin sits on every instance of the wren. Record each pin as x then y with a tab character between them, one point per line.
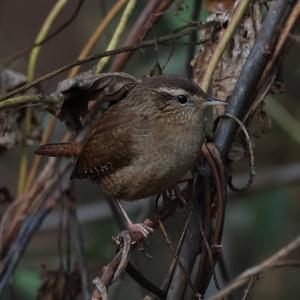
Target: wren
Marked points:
143	144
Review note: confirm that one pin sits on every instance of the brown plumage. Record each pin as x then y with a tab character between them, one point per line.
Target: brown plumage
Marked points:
143	144
60	149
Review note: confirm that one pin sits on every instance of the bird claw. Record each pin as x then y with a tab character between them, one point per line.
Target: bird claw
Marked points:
142	228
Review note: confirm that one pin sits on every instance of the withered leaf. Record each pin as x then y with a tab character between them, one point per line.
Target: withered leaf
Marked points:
11	119
88	91
10	79
260	123
235	54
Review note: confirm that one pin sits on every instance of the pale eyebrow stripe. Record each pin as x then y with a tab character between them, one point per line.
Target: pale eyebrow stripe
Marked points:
172	91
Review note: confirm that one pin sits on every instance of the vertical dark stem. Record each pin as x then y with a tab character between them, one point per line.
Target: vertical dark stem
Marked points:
193	38
244	91
188	254
240	101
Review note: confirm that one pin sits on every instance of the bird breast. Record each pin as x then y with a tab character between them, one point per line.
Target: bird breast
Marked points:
163	155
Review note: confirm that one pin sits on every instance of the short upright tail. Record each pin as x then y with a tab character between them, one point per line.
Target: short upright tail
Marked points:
60	149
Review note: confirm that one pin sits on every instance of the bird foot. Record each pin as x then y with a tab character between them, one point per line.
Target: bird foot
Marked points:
142	228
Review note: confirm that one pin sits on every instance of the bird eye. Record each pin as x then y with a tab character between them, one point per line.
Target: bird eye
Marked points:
182	99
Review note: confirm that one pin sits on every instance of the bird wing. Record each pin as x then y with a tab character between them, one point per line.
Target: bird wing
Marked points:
107	147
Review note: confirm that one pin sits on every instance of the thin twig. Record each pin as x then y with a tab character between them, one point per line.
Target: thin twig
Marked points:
28	229
284	36
48	37
266	265
94	38
250	287
57	8
212	218
251	157
147	19
37	158
118	33
79	245
239	103
166	283
38	193
73	72
149	43
16	251
210	258
21	100
100	293
176	257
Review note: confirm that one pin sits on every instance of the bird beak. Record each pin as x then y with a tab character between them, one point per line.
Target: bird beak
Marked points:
214	101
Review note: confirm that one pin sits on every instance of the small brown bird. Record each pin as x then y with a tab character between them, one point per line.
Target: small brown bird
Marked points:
145	143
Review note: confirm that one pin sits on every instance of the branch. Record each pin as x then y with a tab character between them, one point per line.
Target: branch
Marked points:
239	103
150	15
97	34
244	92
47	38
23	165
161	40
118	33
266	265
87	49
16	251
52	99
29	227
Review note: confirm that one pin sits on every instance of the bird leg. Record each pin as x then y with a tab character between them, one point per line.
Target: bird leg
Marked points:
131	227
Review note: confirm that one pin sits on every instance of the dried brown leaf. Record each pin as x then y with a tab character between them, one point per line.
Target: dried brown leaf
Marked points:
10	79
11	120
260	123
235	54
88	90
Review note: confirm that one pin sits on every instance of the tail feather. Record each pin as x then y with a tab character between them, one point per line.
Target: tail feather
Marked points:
60	149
